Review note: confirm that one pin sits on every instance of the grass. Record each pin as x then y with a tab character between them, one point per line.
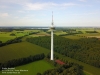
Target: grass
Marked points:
40	34
85	29
86	73
91	34
59	32
4	39
34	68
25	49
4	36
88	68
96	35
19	50
72	37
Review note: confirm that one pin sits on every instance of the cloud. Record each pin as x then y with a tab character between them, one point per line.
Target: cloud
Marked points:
16	17
14	1
9	3
3	6
39	6
68	4
4	15
21	11
29	5
42	6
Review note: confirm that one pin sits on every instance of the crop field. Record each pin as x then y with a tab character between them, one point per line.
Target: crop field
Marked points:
86	73
97	35
33	68
72	37
26	31
22	33
78	36
4	36
24	49
4	39
85	29
91	34
19	50
42	33
34	35
59	32
88	68
88	29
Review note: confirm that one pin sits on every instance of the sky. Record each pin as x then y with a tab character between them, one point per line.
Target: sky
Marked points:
39	13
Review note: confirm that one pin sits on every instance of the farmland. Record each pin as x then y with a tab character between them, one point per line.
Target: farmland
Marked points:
59	47
59	32
24	49
72	37
34	68
4	36
34	49
19	50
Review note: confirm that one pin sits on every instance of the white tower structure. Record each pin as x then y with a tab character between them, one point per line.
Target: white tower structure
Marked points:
52	28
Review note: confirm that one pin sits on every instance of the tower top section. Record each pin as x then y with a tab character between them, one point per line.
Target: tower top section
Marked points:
52	19
52	26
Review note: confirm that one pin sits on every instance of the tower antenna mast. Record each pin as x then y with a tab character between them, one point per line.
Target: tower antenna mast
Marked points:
52	19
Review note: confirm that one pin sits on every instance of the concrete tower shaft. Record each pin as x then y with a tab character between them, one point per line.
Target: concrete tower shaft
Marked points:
52	29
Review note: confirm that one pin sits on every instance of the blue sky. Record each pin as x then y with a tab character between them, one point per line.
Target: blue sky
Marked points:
39	12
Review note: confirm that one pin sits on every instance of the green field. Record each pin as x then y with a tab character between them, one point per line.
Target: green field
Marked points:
87	34
39	34
59	32
86	73
72	37
78	36
19	50
33	68
4	36
24	49
90	69
88	29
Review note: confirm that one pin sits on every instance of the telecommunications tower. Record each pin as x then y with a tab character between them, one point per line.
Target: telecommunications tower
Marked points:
52	28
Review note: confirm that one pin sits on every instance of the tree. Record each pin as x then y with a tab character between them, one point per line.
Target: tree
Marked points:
39	74
12	34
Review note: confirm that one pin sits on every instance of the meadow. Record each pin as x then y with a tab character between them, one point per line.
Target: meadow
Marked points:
80	35
24	49
41	33
72	37
85	34
20	50
88	69
5	36
60	32
33	68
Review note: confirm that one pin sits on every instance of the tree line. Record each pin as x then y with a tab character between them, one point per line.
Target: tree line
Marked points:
22	61
68	68
86	50
15	40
